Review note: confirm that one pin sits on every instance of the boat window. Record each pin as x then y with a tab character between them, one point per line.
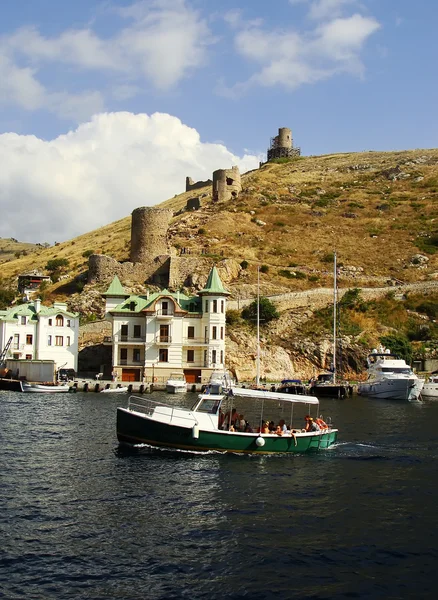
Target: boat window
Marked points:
396	370
209	405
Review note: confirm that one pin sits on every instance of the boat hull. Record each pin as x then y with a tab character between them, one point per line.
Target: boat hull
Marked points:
332	390
45	389
176	389
392	389
136	428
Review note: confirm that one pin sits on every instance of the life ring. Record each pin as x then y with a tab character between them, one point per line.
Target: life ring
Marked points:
322	424
155	379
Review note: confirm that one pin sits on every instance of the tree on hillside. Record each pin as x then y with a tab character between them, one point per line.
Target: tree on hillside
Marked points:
398	344
6	295
267	311
56	266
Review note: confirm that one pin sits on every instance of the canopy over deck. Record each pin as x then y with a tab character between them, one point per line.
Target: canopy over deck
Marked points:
267	395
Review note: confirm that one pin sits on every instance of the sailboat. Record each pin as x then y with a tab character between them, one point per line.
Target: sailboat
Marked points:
326	384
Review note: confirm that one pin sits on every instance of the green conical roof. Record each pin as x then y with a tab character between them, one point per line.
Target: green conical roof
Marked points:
116	288
214	284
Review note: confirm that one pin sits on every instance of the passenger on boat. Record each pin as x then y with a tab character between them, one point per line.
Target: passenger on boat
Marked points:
265	427
310	424
229	419
322	424
248	428
242	423
272	427
282	424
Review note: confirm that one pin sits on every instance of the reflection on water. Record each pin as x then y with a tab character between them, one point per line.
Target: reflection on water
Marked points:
84	518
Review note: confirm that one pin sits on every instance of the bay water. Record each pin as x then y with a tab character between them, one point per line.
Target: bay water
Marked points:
82	517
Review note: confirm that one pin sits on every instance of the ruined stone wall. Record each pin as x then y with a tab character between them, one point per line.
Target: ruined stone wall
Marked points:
195	185
101	269
149	233
226	184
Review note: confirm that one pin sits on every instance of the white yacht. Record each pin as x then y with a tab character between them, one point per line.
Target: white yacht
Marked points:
430	388
176	384
390	377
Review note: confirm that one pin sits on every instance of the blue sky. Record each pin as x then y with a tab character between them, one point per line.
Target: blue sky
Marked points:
82	85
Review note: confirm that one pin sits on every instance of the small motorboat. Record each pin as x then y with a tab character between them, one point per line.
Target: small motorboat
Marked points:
44	388
115	390
430	388
176	384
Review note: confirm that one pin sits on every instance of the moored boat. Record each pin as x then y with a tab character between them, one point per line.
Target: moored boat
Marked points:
176	384
292	386
390	378
151	422
44	388
119	389
430	387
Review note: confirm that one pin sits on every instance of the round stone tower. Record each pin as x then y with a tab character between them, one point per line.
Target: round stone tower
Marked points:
226	184
284	137
149	233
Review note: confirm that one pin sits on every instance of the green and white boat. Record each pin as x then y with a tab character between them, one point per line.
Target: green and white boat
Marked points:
197	429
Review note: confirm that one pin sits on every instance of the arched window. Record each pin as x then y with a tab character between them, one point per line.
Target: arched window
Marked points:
59	321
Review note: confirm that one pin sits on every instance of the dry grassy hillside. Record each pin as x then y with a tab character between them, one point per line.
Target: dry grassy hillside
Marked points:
377	209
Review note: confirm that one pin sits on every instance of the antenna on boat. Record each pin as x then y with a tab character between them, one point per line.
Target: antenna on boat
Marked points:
335	299
258	329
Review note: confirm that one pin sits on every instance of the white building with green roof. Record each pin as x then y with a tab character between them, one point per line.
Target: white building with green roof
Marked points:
166	332
41	333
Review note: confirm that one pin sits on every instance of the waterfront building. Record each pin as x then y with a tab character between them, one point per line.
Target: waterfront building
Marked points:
165	332
41	332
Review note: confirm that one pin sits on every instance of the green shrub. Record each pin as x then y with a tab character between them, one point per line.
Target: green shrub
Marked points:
232	317
201	231
286	273
264	269
57	264
87	253
398	344
328	258
267	311
244	264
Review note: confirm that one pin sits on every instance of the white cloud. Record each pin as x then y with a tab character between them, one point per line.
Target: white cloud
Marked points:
160	45
57	189
324	9
291	58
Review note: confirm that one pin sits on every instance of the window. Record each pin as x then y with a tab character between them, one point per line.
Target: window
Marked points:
68	323
50	322
164	308
215	306
222	333
59	340
29	339
213	356
49	340
16	341
123	353
132	306
124	332
163	355
68	341
28	356
214	333
137	331
206	306
136	355
59	321
164	333
222	357
23	320
191	332
190	356
222	306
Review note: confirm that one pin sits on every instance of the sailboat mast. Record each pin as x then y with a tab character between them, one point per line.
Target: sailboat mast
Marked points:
335	299
258	329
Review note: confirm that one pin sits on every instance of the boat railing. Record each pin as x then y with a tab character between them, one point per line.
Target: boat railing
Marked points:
155	407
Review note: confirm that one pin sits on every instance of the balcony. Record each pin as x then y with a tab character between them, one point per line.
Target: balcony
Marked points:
125	339
195	341
163	339
123	362
165	313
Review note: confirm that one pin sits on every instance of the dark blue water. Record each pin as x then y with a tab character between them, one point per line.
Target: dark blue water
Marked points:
82	518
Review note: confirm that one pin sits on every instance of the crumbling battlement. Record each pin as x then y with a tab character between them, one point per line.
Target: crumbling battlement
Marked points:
195	185
226	184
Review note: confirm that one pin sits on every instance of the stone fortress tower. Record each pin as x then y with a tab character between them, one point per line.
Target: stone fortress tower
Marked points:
149	233
282	145
226	184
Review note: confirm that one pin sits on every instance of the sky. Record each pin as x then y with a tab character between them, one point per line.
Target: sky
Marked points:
107	105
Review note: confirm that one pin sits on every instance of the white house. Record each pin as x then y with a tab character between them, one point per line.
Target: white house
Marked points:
166	332
41	333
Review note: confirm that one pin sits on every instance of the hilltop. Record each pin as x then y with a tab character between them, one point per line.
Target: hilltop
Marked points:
377	209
